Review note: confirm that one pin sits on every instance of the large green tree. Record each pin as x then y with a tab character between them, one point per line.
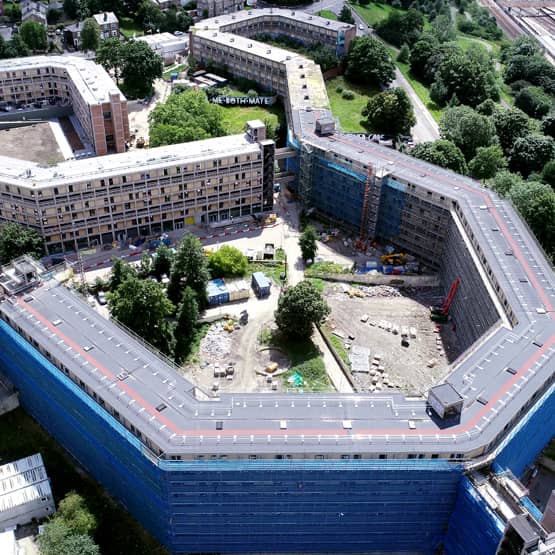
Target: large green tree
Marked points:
71	8
390	112
503	181
548	174
536	203
510	124
189	269
228	261
369	62
121	271
489	160
299	308
57	539
185	117
467	76
150	16
143	306
420	56
534	101
307	243
90	35
33	34
16	240
110	55
401	27
163	261
73	510
531	153
346	15
442	153
140	67
467	129
185	327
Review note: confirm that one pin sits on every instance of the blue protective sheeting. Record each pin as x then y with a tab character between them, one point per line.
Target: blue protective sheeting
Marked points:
474	529
527	503
530	435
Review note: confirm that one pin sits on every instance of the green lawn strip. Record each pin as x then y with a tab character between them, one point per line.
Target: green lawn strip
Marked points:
117	531
420	89
326	268
337	344
235	117
375	12
128	27
319	284
327	14
349	111
174	69
306	360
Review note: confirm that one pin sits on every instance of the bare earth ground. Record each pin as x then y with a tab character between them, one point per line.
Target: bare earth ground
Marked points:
406	367
35	143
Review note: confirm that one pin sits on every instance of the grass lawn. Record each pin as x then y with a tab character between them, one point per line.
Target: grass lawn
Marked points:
338	345
271	269
173	69
307	361
375	12
128	27
117	531
327	14
235	117
349	111
201	331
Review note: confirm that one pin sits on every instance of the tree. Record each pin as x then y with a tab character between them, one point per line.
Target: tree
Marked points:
488	161
53	16
163	261
548	174
16	240
71	8
534	102
467	129
143	306
420	55
487	108
185	117
140	67
536	202
110	55
228	262
531	153
345	15
390	112
16	47
150	16
443	28
404	54
369	62
145	266
307	243
33	34
548	125
73	510
442	153
510	124
90	35
185	328
120	272
189	269
184	21
299	308
401	27
470	76
503	181
57	539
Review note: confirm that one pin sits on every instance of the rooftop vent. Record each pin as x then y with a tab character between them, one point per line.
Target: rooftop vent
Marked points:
88	348
249	45
268	51
219	425
122	375
161	407
56	322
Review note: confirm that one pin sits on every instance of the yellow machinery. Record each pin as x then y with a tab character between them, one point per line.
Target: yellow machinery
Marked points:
396	259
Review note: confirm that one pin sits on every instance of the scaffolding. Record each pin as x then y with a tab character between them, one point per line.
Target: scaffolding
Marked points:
305	174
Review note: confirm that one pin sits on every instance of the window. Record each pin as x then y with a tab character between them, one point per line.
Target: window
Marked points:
107	115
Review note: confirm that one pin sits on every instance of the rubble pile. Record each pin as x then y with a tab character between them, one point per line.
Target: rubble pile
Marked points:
216	343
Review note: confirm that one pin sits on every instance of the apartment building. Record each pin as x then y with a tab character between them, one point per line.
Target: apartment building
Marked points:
212	8
98	104
100	200
299	25
34	11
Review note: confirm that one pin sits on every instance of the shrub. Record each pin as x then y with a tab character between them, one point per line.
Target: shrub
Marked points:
348	95
339	90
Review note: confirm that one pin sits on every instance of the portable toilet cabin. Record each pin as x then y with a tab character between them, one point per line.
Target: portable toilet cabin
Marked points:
217	292
238	289
261	284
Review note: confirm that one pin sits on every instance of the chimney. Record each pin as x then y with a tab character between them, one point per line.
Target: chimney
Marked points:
105	16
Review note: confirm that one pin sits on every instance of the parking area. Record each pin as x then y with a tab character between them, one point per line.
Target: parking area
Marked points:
371	322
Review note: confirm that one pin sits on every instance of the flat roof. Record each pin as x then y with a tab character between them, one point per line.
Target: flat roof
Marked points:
30	174
241	16
92	81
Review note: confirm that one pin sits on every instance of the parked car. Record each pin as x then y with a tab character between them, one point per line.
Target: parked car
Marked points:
101	297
